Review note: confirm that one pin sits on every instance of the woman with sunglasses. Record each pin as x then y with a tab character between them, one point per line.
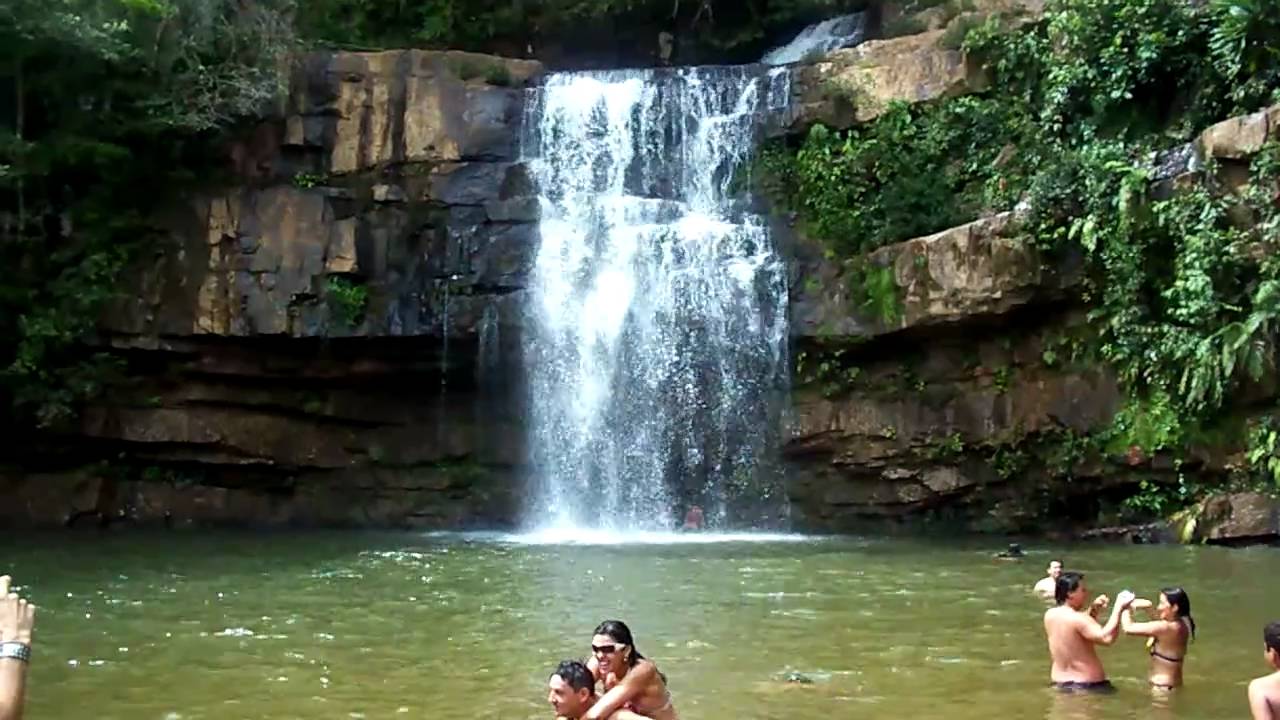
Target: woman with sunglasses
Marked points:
631	681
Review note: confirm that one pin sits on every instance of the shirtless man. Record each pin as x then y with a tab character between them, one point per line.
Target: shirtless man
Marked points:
572	692
1072	634
1264	692
1047	586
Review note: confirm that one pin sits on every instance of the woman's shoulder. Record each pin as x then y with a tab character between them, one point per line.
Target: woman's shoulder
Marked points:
645	669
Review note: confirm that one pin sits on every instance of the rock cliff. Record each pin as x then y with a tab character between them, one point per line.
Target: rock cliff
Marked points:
328	338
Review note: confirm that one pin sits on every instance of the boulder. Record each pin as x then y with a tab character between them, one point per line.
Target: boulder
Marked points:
856	85
982	268
1240	137
1230	519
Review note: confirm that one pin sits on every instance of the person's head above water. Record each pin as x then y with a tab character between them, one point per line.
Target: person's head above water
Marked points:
1070	590
1055	569
1175	605
1271	643
1014	551
570	689
614	648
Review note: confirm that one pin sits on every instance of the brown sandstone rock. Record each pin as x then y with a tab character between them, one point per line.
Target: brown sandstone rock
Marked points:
978	269
1247	517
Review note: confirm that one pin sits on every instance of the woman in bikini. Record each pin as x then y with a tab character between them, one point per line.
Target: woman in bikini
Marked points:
631	681
1168	635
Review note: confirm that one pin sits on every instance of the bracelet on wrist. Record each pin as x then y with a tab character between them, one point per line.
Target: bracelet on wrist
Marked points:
15	651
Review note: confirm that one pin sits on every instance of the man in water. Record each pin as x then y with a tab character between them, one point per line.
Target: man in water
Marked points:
693	519
1073	633
1048	585
572	692
1264	692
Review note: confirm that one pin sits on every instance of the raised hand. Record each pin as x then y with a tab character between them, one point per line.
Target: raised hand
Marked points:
17	616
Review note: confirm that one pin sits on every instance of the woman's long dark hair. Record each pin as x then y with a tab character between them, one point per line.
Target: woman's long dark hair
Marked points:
1177	597
620	633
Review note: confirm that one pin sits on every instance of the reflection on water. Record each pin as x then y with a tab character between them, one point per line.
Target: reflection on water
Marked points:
181	627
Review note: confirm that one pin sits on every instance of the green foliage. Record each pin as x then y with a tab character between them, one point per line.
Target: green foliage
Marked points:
1182	288
1264	450
832	370
913	171
115	109
945	449
1160	499
874	290
483	25
306	180
1001	379
1009	461
347	302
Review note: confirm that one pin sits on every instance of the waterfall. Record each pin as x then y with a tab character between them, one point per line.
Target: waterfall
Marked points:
656	333
819	39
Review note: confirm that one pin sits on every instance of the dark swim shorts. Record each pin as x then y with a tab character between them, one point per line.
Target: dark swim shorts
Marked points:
1100	686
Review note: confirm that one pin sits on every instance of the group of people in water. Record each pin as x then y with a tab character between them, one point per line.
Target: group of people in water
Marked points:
617	682
1073	629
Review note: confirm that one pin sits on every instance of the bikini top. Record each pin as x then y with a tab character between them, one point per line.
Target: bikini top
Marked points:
1151	645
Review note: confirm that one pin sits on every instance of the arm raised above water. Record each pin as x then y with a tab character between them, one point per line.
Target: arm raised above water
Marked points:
1152	628
1105	634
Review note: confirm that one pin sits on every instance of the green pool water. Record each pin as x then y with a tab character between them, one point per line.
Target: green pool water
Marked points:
351	625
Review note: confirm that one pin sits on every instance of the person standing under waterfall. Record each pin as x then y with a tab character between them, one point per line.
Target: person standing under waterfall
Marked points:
1047	586
631	681
1073	633
1167	635
1264	692
571	690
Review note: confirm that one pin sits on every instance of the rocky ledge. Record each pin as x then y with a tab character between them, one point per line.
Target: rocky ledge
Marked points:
329	340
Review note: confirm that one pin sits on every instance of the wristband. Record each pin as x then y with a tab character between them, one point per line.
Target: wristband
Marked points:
16	651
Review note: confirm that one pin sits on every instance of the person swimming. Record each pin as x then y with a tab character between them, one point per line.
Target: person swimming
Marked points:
1013	552
1167	636
631	681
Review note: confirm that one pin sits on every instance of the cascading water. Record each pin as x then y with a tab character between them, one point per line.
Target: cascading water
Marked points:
656	336
818	39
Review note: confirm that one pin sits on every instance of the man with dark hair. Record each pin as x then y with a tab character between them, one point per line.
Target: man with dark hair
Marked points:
1048	584
1264	692
572	692
1072	634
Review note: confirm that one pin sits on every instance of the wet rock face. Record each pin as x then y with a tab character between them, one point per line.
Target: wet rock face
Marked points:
956	425
1231	519
980	269
335	338
397	171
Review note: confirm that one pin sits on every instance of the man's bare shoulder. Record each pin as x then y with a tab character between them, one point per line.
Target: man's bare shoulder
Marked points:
1268	685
